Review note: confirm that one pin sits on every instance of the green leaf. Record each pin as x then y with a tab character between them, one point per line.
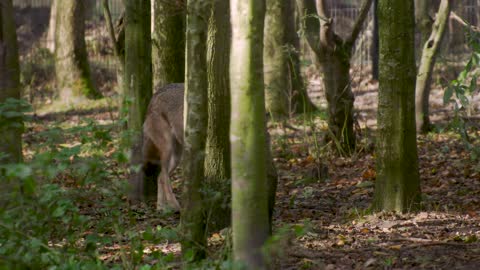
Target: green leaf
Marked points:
148	235
463	100
463	75
189	255
29	185
59	211
12	114
20	170
473	85
447	96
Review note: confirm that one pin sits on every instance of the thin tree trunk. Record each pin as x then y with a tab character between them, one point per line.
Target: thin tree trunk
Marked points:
423	20
274	59
10	128
72	70
397	186
374	48
51	26
217	160
456	33
118	44
137	81
195	112
333	56
247	134
168	40
299	102
338	91
425	70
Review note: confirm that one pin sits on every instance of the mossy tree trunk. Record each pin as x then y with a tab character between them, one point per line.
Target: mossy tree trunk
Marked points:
138	63
137	81
430	50
195	115
217	160
250	223
72	70
168	42
10	129
333	56
299	102
397	187
274	59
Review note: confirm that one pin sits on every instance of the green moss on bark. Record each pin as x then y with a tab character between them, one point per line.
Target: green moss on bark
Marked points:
11	133
247	134
398	184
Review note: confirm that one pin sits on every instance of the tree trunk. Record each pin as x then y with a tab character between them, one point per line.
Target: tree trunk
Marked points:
118	45
425	70
10	128
168	50
299	102
247	134
397	186
137	81
338	91
51	26
71	60
333	57
274	59
217	160
456	31
195	112
374	48
423	20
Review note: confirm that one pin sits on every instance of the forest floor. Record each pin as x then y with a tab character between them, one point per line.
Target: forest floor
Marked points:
321	195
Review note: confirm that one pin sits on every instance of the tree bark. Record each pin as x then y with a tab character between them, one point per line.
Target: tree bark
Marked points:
247	134
427	63
118	44
423	20
168	50
137	82
456	34
299	102
72	70
138	67
11	128
217	160
51	26
397	185
374	48
333	56
195	112
274	59
340	99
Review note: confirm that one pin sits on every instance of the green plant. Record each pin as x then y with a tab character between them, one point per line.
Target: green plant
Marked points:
13	113
461	91
65	207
